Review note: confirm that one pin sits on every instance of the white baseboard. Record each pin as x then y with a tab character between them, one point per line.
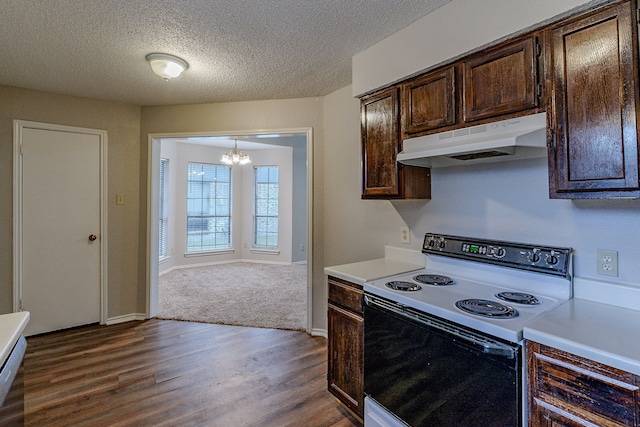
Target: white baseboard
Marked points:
315	332
319	333
258	261
206	264
200	264
125	318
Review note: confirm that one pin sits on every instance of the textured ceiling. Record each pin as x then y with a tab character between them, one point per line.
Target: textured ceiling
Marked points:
237	50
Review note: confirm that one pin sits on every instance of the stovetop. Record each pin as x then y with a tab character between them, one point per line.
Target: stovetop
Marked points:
476	279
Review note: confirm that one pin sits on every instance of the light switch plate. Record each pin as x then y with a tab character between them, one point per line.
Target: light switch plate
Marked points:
119	199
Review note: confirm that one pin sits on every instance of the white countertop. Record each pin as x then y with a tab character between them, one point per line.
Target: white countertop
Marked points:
601	332
11	327
396	261
360	272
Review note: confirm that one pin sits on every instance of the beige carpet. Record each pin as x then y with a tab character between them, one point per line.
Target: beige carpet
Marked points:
244	294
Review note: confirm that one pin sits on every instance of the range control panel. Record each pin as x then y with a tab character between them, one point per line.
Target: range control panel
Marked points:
523	256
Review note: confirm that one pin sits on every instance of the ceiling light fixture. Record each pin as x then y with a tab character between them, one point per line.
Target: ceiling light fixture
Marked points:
235	156
166	66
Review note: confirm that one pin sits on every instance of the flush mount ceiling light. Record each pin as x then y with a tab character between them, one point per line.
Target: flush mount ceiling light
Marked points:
166	66
235	156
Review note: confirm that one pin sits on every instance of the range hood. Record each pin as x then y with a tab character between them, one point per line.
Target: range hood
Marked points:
519	138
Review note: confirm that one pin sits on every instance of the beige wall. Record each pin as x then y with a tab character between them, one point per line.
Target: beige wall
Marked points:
128	128
354	229
346	228
245	116
122	122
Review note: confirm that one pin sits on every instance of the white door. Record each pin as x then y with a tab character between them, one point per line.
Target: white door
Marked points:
60	235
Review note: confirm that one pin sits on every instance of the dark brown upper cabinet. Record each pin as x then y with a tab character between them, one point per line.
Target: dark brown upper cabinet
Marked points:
593	150
382	176
429	101
582	70
501	81
497	83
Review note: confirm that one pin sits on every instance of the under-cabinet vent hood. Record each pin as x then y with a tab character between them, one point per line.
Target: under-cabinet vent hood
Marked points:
519	138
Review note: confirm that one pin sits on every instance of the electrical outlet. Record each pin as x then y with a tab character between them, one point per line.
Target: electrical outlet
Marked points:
608	262
405	235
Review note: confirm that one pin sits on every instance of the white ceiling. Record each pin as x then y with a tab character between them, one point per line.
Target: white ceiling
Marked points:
237	50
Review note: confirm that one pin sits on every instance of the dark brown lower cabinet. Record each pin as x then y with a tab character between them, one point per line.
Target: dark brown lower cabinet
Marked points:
346	345
569	390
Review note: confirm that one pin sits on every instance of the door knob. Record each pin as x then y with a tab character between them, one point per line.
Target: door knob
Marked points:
92	237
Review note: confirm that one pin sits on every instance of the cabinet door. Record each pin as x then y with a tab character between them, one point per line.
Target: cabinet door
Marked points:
501	81
594	139
565	389
345	358
429	101
380	144
548	417
382	176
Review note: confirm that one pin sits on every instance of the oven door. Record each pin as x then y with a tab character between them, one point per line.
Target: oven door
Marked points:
431	372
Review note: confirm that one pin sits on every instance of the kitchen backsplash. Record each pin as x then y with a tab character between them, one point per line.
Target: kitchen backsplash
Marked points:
510	201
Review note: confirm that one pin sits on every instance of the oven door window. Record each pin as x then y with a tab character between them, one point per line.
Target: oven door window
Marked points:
431	377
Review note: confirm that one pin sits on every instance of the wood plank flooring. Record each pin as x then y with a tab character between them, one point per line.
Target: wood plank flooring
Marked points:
172	373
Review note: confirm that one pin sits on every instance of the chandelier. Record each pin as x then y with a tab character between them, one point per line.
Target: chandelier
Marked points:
235	156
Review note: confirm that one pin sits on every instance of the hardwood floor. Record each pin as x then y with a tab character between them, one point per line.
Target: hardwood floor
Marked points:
172	373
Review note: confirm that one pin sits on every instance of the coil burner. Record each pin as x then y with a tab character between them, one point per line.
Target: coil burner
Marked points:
398	285
433	279
483	307
518	298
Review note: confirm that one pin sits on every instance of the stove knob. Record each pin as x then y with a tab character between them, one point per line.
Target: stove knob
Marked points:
552	259
534	257
441	244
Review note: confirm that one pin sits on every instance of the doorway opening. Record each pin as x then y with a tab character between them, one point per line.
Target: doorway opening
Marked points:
229	237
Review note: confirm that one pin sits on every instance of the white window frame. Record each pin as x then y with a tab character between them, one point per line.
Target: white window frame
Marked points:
269	216
201	219
163	216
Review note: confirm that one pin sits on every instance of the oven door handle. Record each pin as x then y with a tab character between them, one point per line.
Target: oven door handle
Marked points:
487	345
499	350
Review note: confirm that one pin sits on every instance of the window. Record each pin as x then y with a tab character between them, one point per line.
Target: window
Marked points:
208	207
164	208
265	222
